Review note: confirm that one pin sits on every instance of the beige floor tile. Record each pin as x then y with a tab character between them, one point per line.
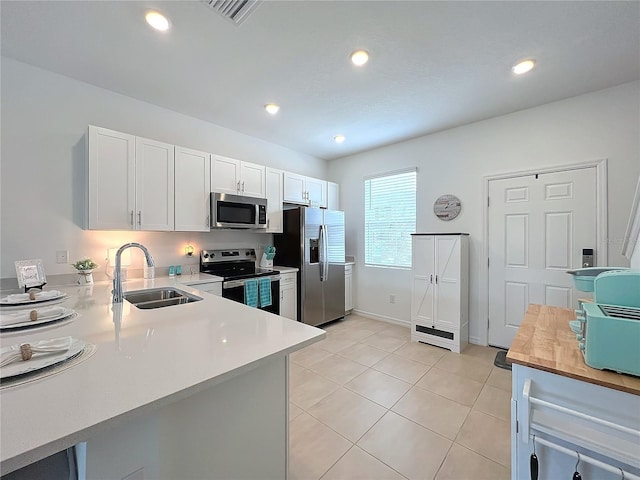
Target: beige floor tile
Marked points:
334	343
405	446
437	413
398	331
454	387
314	448
359	465
347	413
420	352
462	464
296	374
294	411
379	387
384	342
487	435
364	354
494	401
480	352
311	389
338	369
500	378
370	323
309	355
402	368
474	368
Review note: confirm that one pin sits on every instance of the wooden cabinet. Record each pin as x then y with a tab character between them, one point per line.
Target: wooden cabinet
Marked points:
192	190
131	182
274	200
236	177
333	196
348	288
440	290
288	295
305	190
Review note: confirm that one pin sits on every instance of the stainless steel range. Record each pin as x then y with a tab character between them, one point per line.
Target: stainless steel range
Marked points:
236	267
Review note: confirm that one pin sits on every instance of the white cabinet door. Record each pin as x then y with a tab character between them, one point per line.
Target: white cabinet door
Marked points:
348	288
111	186
288	296
225	175
192	190
274	200
294	188
252	180
447	282
333	196
155	197
316	192
422	301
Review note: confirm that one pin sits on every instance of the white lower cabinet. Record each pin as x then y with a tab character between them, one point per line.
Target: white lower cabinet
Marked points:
440	290
288	296
348	288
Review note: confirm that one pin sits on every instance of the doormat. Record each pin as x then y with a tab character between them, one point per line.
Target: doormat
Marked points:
501	360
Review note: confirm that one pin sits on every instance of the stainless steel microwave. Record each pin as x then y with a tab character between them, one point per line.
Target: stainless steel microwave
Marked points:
235	211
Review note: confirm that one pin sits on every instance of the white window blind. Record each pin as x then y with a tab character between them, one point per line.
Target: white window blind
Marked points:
390	218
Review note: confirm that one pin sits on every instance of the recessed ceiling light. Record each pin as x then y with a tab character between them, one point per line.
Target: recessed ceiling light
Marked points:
339	138
157	20
272	108
523	67
360	57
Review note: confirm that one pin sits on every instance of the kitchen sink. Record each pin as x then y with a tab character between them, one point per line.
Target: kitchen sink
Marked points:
159	297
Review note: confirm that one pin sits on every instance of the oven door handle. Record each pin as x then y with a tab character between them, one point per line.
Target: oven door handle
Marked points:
240	283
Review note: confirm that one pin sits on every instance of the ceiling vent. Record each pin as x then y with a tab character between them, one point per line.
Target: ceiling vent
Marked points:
235	11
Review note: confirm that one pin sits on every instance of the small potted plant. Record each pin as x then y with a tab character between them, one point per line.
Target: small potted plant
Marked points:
85	269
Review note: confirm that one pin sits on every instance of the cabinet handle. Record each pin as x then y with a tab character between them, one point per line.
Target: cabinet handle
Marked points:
140	217
242	187
436	278
431	279
207	221
238	187
267	223
132	218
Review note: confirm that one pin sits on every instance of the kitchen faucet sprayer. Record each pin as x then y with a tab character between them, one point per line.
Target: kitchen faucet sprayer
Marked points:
117	279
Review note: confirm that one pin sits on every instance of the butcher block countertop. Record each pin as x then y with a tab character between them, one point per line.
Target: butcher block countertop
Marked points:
545	342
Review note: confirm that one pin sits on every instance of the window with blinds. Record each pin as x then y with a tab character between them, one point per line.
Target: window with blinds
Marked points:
389	218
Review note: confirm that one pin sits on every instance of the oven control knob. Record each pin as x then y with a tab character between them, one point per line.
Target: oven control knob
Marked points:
206	255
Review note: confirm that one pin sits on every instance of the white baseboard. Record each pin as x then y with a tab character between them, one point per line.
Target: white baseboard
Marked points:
383	318
476	341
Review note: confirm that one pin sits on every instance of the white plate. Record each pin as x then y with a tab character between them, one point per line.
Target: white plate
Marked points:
39	360
67	312
5	300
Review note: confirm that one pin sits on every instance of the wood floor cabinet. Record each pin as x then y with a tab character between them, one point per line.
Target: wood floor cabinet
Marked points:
440	290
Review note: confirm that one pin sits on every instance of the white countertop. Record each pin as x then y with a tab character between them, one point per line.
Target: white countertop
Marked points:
285	269
144	359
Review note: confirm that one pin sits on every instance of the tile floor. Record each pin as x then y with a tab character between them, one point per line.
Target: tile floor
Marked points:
366	403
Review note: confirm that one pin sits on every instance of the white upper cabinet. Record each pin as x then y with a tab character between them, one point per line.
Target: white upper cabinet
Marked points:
154	185
192	190
229	175
333	196
111	182
305	190
274	200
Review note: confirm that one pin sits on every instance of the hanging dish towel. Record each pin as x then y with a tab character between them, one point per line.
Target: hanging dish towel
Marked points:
265	291
251	293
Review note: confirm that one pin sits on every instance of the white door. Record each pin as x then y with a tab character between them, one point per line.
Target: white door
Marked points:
447	281
538	226
316	192
155	199
192	190
423	280
225	175
294	188
274	200
252	180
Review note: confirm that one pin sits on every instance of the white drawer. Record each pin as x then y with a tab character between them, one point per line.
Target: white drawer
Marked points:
287	278
348	269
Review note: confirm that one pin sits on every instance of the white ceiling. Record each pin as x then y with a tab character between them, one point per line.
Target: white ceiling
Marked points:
434	65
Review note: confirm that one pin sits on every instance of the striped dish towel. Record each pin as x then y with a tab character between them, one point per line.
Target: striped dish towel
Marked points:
251	293
265	291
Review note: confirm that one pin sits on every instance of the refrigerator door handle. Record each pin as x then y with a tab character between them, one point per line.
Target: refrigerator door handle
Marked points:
321	240
325	247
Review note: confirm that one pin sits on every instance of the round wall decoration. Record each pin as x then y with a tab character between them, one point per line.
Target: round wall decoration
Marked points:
447	207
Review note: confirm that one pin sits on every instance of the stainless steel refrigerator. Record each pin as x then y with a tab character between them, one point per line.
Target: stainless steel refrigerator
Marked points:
313	241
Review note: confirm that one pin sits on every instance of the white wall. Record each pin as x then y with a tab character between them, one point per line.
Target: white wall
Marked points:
604	124
44	121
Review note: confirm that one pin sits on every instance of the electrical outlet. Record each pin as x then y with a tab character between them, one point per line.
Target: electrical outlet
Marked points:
62	256
392	298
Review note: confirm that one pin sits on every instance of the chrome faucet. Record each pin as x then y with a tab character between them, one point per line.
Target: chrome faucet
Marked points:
117	279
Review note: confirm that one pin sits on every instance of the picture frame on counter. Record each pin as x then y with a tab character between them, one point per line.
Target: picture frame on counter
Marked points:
30	273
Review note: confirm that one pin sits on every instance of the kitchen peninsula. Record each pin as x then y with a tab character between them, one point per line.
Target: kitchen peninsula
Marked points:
198	390
566	407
